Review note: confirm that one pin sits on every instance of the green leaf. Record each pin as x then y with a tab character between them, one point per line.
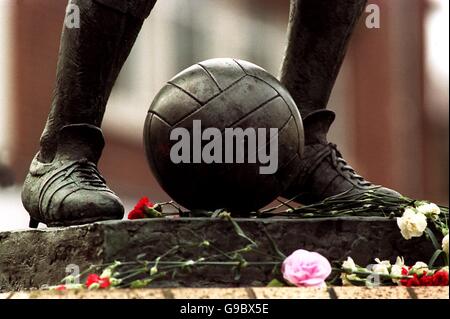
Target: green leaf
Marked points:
152	213
274	245
435	256
137	284
158	207
276	283
433	239
239	231
217	212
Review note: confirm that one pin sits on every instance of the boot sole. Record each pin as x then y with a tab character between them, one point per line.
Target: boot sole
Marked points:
34	223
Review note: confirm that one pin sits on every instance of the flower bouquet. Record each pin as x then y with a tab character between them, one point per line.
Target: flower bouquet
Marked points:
301	268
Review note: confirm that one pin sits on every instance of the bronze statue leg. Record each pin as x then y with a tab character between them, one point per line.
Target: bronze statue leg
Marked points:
90	60
64	186
318	36
319	33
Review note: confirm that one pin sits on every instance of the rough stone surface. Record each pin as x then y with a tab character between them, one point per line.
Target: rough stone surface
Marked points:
37	257
209	293
291	293
425	293
373	293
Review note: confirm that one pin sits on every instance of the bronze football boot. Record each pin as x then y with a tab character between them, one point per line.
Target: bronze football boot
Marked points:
323	171
70	190
64	186
319	34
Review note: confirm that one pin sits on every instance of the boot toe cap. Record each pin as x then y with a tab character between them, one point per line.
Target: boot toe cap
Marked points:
86	206
384	191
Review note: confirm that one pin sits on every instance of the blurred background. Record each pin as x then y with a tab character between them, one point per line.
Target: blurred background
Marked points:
391	96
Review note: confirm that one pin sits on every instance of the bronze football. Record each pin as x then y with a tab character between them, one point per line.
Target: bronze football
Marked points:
224	133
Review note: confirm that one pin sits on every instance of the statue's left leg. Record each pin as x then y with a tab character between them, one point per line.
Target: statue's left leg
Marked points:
319	33
64	186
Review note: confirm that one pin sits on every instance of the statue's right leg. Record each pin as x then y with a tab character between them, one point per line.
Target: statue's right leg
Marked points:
319	34
64	186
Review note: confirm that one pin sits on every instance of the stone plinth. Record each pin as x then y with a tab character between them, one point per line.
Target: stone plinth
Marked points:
37	257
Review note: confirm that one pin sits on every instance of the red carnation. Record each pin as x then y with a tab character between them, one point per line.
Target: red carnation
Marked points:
134	214
143	209
61	288
426	280
105	283
92	279
440	278
143	203
412	282
405	271
95	279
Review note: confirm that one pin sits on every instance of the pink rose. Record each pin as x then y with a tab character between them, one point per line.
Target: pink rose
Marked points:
306	269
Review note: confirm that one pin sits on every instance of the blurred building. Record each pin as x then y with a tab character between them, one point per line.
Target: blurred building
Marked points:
391	96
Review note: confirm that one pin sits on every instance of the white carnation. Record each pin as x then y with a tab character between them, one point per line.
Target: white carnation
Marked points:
429	209
397	269
419	268
445	244
420	265
387	263
400	262
381	269
349	264
412	224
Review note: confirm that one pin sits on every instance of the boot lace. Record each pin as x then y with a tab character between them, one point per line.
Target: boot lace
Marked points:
345	168
85	173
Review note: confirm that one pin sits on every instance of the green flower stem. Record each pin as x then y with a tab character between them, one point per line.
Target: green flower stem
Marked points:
220	263
229	255
170	266
369	273
274	245
172	204
132	274
286	204
150	279
367	204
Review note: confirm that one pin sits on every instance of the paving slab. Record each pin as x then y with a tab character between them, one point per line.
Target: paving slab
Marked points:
240	293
